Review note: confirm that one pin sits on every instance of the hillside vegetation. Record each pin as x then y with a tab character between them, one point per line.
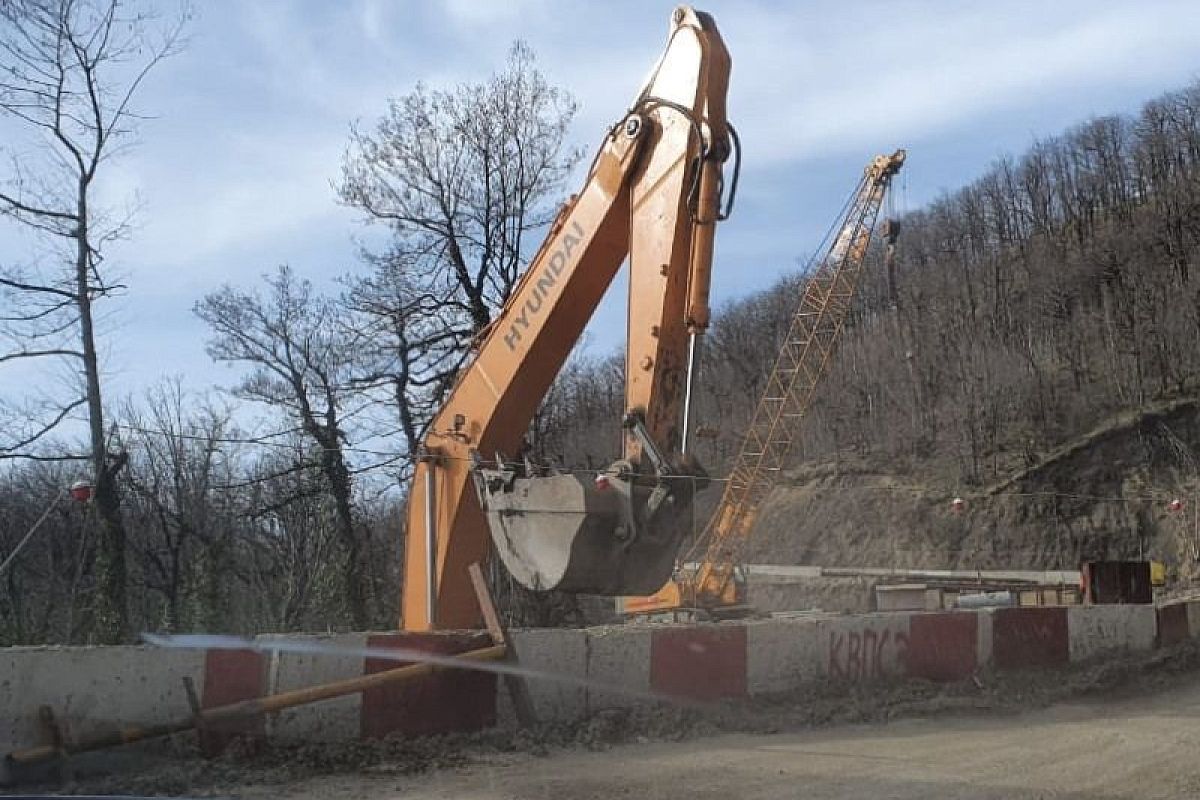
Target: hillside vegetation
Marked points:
1040	359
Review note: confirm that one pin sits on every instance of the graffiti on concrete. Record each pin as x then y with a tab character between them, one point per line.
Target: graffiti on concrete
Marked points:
867	654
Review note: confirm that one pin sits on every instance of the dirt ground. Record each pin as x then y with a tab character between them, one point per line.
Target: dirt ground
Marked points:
1118	728
1096	749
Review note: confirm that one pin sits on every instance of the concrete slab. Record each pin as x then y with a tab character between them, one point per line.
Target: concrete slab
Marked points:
782	654
618	655
703	662
92	688
329	720
1193	617
943	646
1173	624
556	651
1029	637
864	647
983	640
1109	628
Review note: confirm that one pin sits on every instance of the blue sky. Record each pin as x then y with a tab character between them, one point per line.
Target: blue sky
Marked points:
233	174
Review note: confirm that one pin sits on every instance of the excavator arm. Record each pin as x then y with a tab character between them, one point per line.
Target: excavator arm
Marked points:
652	195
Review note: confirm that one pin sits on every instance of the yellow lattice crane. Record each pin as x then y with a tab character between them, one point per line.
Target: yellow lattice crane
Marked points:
707	577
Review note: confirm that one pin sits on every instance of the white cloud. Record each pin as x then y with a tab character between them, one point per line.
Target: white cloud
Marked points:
921	71
474	14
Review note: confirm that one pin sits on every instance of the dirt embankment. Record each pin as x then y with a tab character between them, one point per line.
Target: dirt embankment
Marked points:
1104	495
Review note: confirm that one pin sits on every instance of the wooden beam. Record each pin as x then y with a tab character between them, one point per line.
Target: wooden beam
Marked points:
518	689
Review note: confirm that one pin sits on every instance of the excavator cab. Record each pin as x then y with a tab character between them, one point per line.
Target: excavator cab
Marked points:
652	199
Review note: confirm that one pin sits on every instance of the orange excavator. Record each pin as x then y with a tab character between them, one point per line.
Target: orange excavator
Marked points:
707	579
653	195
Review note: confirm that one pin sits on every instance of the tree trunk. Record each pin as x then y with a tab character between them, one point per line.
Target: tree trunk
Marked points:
352	571
112	610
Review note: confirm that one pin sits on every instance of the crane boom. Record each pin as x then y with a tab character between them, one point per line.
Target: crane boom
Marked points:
802	362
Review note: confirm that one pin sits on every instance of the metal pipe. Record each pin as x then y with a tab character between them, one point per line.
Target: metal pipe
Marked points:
689	388
248	708
431	540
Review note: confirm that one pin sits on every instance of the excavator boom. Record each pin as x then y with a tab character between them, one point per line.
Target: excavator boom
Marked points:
652	195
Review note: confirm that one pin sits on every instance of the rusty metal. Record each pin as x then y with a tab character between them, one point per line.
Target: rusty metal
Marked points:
1116	582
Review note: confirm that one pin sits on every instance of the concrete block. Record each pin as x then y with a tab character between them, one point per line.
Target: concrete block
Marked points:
618	658
445	702
864	647
983	639
943	646
1109	628
782	654
231	676
1172	624
1193	618
703	662
1029	637
555	652
92	688
336	719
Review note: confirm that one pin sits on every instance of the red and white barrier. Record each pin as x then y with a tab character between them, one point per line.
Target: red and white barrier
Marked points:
94	687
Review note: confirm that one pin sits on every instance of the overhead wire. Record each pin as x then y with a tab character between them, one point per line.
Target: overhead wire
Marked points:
931	492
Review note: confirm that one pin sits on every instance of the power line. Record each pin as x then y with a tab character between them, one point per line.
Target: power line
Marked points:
934	494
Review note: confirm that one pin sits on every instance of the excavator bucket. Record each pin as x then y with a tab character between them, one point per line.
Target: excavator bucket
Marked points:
608	535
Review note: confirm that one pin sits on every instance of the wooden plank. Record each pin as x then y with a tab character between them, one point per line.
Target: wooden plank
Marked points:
518	689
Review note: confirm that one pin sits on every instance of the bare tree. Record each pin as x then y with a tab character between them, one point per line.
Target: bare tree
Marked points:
291	542
69	72
181	455
301	360
461	178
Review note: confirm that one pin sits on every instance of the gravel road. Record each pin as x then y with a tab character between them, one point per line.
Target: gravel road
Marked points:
1138	746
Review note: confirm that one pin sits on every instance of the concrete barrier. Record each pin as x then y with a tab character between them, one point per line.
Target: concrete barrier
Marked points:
439	703
1193	618
93	687
231	676
618	655
864	647
943	646
333	719
1172	624
1029	637
558	652
1093	630
703	662
782	654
